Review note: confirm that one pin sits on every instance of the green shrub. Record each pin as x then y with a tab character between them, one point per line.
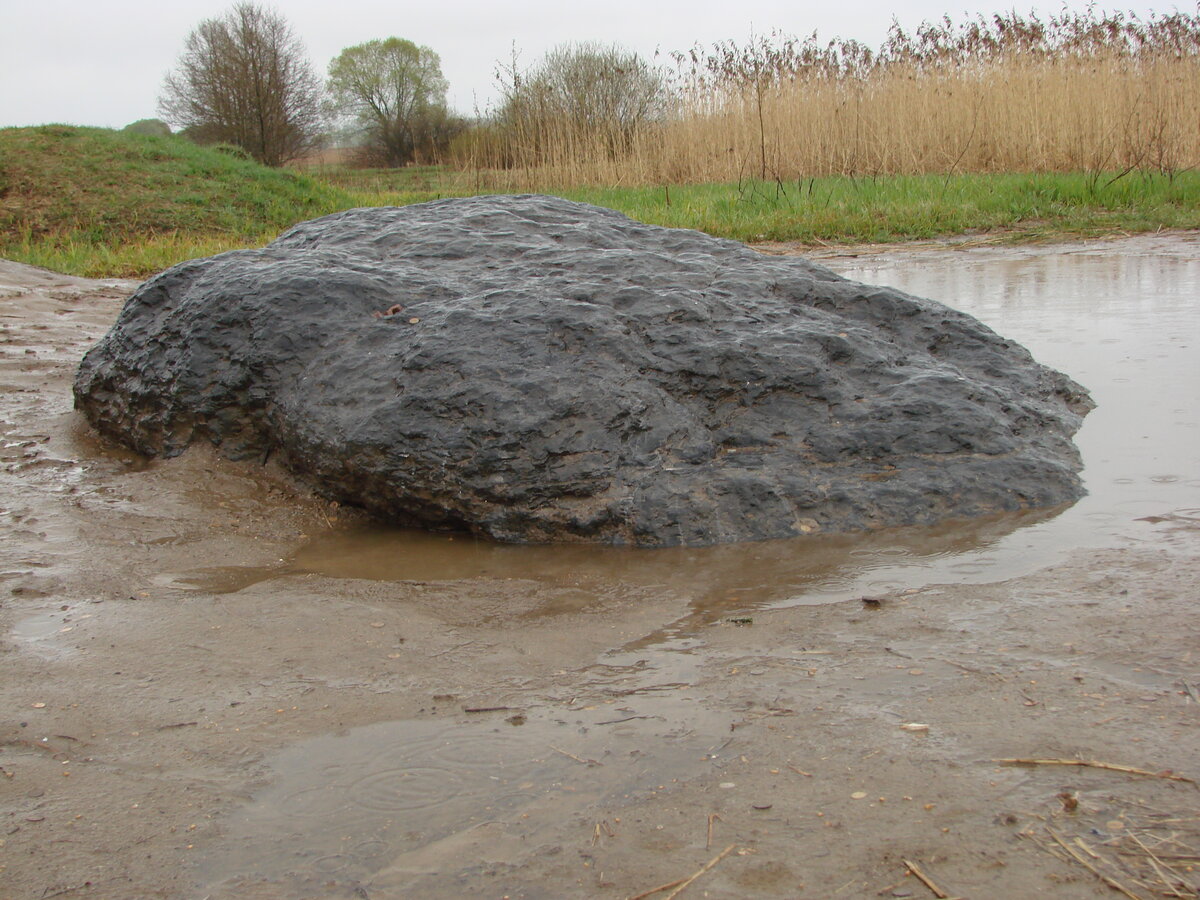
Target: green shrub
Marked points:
150	127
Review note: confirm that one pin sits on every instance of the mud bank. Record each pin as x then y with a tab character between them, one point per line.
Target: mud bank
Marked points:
200	703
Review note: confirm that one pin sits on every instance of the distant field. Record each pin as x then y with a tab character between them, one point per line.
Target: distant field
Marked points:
101	203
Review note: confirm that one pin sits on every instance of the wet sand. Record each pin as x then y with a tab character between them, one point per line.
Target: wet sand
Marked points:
219	686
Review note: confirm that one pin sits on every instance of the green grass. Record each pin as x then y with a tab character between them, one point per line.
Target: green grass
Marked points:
902	208
101	203
95	202
415	180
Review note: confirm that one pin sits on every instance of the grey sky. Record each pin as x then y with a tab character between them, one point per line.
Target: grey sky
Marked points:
102	63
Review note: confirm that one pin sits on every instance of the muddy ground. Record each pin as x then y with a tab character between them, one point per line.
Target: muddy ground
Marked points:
169	735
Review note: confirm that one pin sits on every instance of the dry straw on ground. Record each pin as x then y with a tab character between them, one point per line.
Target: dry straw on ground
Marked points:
1153	854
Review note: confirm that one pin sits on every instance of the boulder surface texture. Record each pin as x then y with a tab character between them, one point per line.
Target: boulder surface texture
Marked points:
559	372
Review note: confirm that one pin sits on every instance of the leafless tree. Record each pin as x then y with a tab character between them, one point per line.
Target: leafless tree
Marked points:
245	79
588	91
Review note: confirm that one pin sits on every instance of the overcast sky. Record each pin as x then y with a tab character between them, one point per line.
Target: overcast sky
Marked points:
102	62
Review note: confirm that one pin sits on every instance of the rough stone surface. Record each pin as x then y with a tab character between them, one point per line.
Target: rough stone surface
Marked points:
559	372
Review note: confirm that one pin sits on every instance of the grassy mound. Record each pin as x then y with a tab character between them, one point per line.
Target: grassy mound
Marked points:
77	200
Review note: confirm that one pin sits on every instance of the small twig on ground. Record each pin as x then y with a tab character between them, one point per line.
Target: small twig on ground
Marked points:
715	749
625	692
799	771
602	829
924	879
1092	764
708	865
712	817
483	709
971	669
90	885
578	759
455	648
65	891
662	887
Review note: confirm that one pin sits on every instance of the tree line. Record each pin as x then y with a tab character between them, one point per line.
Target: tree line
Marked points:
244	80
778	107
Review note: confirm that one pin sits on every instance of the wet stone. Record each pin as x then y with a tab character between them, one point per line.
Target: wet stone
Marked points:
533	369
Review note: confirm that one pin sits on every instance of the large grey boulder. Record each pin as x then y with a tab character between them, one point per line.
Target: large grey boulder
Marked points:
559	372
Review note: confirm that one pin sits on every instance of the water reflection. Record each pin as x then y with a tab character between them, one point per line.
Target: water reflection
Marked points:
816	569
1123	319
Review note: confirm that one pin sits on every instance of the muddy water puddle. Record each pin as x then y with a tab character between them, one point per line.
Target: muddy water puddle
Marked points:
41	632
824	568
393	800
1122	319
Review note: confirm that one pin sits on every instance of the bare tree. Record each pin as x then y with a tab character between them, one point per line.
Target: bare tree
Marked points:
599	94
395	91
245	79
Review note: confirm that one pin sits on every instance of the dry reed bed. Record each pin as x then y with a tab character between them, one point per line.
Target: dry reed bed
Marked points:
1078	92
1015	115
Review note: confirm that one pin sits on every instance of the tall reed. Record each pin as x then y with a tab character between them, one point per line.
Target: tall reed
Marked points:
1105	93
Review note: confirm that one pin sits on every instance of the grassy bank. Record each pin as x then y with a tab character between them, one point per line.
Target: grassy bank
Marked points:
898	208
849	210
95	202
100	203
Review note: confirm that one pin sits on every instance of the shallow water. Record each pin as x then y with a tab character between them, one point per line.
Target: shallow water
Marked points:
1123	320
395	799
1125	323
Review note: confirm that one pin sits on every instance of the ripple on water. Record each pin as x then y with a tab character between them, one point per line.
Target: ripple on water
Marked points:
350	803
406	788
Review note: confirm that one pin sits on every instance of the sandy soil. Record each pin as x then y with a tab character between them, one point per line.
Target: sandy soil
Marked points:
309	736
